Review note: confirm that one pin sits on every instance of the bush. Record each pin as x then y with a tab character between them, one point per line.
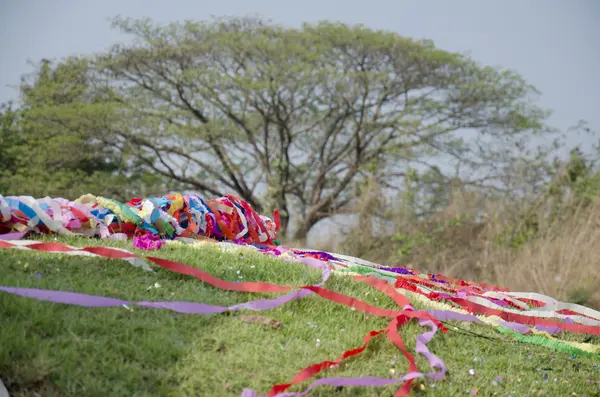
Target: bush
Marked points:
545	243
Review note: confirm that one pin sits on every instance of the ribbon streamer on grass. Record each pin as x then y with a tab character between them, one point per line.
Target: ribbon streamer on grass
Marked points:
446	312
85	300
263	304
340	382
481	296
544	341
113	253
521	318
451	314
399	317
140	261
199	308
391	331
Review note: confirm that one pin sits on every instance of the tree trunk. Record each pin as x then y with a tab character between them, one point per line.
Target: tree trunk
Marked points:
301	232
284	217
285	222
304	226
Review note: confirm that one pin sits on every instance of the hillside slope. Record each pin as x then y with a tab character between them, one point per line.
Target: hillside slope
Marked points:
52	349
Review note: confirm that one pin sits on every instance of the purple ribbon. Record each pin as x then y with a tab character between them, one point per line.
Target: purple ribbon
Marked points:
12	236
432	278
338	382
449	315
85	300
399	270
551	329
322	255
77	299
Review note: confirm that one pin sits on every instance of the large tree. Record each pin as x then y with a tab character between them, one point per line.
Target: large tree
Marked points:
295	118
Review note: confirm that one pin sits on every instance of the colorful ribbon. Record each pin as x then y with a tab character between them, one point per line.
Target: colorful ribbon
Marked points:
169	216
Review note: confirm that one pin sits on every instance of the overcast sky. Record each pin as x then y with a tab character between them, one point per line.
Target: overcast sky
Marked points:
554	44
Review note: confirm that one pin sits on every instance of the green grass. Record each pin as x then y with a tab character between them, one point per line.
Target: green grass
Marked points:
59	350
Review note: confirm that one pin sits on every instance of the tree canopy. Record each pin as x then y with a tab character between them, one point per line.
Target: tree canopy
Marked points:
239	104
290	118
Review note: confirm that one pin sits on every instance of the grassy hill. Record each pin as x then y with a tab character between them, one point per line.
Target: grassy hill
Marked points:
56	350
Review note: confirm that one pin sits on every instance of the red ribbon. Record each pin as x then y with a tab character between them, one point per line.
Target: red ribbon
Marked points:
277	219
315	369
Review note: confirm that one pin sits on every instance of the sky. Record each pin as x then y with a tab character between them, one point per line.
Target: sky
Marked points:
554	44
550	42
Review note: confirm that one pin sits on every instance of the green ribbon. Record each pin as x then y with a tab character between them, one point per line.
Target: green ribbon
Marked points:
543	341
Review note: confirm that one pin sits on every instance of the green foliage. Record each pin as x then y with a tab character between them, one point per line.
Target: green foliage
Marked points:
574	185
10	140
429	236
60	141
409	242
581	296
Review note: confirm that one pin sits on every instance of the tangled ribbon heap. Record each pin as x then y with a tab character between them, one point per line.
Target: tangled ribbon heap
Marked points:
148	220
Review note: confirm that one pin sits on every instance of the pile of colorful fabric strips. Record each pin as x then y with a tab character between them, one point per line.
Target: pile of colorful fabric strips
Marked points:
147	220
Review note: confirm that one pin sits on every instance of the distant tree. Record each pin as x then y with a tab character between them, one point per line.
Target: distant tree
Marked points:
58	142
10	139
287	117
